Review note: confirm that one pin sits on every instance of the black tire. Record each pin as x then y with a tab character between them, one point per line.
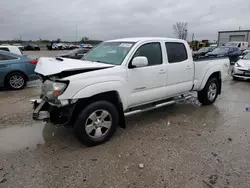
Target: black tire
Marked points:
83	118
18	75
235	78
203	94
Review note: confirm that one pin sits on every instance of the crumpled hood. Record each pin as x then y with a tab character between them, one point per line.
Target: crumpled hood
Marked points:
244	64
50	66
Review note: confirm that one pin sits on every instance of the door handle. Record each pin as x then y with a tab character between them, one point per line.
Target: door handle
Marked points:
188	67
162	71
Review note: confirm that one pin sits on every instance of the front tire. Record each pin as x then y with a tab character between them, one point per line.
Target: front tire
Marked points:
16	81
96	123
210	92
235	78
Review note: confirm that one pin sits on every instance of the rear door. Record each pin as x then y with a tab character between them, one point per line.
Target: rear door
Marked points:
180	71
147	84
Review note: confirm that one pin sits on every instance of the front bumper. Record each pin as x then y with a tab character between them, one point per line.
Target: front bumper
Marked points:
241	73
40	110
43	110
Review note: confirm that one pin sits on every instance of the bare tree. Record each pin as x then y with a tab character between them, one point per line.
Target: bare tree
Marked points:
85	39
180	30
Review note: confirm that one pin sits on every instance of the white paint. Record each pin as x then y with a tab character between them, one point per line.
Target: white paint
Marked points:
239	44
49	66
140	61
244	66
12	49
138	85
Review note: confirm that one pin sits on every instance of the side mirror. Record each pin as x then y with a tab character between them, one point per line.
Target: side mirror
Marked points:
140	61
241	56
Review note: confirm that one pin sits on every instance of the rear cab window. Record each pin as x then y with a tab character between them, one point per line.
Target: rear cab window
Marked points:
176	52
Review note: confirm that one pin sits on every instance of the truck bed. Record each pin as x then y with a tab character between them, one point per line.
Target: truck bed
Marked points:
204	65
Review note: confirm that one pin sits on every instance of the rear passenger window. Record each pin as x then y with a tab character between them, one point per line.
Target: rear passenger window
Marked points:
6	57
152	51
176	52
5	49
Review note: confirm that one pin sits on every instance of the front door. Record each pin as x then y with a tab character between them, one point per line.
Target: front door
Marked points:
148	83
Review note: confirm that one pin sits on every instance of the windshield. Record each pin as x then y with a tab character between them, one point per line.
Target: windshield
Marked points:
232	44
247	56
220	50
205	49
109	52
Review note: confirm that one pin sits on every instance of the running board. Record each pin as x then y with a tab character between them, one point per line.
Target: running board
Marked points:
157	106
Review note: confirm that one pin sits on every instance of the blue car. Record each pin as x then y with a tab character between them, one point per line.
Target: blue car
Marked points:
16	70
224	52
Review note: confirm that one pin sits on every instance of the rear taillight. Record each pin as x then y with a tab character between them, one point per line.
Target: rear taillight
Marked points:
34	61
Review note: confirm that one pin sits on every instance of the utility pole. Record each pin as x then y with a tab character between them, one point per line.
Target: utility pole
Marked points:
76	33
192	40
192	37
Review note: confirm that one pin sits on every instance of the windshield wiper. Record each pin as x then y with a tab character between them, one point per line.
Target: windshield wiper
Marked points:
100	62
93	61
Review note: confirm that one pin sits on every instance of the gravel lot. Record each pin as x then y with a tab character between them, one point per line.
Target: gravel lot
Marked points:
183	145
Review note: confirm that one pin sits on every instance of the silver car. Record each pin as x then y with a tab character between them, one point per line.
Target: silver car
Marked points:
241	68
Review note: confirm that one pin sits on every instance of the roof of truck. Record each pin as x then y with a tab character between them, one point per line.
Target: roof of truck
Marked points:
137	39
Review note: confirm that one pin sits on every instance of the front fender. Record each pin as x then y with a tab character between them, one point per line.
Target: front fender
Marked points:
102	87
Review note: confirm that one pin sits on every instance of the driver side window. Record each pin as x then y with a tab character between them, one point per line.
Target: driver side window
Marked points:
152	51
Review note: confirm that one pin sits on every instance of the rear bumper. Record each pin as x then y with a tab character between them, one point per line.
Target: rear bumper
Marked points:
44	111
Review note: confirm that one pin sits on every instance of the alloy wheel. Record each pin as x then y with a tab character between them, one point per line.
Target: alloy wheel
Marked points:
98	124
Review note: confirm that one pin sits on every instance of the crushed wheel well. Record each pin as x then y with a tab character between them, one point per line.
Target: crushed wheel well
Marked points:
110	96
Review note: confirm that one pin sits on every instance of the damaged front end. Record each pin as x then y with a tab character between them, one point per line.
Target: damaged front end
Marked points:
44	110
49	107
53	73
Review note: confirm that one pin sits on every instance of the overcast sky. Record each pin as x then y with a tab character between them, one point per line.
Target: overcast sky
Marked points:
108	19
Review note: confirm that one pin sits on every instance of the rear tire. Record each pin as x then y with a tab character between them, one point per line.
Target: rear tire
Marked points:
16	81
96	123
210	92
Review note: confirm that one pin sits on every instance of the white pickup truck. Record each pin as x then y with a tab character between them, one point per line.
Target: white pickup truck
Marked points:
120	78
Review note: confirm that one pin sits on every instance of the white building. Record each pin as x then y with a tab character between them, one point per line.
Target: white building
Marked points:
228	36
